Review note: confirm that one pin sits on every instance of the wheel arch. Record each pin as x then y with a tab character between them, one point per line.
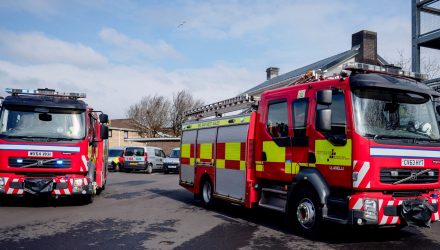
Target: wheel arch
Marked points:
310	178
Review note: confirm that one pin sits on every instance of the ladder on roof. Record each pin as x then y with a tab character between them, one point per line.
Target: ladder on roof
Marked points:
242	102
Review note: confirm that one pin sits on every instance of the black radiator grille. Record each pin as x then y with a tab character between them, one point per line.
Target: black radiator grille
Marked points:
17	162
385	175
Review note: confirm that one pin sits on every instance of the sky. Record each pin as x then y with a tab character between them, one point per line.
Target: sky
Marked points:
119	51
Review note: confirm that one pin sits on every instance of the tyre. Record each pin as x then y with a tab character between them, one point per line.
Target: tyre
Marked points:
165	172
206	193
149	169
306	213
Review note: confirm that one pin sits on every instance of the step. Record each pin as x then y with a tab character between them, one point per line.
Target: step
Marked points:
271	207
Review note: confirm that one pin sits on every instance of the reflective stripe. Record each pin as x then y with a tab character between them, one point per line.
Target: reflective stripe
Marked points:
84	160
223	122
232	151
259	167
242	165
37	147
220	163
205	151
379	151
186	149
358	205
273	152
361	174
328	154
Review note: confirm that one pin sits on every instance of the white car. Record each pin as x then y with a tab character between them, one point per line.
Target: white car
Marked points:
172	162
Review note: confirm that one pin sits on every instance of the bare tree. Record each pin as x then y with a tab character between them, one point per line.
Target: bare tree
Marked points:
429	66
182	101
150	115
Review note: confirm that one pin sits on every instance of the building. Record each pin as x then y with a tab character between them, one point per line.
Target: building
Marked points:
363	49
424	34
122	133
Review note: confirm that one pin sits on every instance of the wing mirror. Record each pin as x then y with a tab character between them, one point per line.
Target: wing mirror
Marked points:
324	97
103	118
324	120
104	132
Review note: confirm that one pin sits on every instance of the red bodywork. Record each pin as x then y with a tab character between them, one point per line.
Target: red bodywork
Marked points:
90	151
363	160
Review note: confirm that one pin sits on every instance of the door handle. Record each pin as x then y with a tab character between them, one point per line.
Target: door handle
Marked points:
263	156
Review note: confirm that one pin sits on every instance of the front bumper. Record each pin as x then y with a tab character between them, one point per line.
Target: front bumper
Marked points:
16	185
418	210
135	165
171	167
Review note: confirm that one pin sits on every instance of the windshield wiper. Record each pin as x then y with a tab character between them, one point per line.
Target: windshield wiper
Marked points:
392	137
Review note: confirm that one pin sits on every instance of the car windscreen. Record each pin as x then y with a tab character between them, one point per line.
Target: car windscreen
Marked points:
134	152
175	153
115	152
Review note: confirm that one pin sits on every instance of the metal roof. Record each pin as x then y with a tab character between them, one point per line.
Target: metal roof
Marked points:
322	64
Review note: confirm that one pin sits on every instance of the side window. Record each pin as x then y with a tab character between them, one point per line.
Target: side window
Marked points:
162	154
339	122
157	152
299	109
277	121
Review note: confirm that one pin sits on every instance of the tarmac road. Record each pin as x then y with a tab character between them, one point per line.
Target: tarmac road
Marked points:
152	211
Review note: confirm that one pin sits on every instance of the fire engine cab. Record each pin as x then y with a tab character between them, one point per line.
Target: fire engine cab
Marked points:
361	148
52	144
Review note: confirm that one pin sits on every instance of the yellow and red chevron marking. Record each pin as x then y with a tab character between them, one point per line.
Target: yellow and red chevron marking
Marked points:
187	154
364	174
231	155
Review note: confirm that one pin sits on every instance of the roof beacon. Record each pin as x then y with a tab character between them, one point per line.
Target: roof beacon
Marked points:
394	71
46	92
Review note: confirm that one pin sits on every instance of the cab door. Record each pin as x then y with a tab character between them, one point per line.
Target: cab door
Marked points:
273	147
300	131
333	148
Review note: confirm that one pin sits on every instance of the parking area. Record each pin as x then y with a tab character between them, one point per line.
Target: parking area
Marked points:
138	211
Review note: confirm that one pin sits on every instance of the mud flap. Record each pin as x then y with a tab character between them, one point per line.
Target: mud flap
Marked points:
38	186
417	212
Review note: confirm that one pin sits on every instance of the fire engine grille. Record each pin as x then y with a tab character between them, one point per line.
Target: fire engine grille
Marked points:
39	163
402	173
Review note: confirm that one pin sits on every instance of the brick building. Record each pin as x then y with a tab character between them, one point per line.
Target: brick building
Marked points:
122	133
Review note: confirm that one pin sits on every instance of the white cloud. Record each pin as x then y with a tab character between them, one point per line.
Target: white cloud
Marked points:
36	47
113	88
136	46
36	7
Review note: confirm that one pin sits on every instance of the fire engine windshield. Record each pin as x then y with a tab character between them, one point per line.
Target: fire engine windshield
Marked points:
42	123
391	113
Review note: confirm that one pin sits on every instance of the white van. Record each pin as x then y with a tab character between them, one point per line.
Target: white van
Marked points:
143	159
156	157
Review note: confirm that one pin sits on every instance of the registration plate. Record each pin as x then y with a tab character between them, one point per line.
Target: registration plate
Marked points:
133	163
171	166
413	162
40	154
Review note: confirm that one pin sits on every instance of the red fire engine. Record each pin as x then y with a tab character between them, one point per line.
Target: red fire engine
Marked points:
362	148
52	144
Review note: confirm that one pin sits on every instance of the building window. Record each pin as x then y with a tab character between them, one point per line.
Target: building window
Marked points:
110	133
125	134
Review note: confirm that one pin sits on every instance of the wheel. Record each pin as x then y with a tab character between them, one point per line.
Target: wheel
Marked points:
165	172
306	213
149	168
206	193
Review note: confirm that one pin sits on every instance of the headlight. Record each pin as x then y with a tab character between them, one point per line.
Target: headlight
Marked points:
2	182
78	182
370	209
